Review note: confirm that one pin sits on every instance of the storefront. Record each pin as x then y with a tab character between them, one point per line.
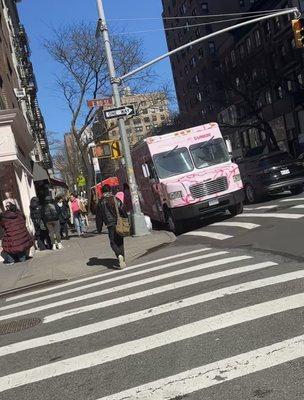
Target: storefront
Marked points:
16	176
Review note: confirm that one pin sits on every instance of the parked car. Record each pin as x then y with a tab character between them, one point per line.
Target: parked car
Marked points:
271	173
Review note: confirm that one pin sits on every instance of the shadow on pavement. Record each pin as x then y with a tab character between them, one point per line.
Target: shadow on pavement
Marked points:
110	263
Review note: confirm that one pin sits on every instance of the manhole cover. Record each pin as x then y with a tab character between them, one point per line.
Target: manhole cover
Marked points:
18	326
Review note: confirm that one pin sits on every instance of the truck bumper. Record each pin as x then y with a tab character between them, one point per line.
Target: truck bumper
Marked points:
198	210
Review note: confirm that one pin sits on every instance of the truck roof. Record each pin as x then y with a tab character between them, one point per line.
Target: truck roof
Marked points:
182	133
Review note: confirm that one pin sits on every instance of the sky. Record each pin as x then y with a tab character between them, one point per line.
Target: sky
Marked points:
40	17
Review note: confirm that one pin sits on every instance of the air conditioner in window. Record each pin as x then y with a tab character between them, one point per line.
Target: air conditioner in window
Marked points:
20	93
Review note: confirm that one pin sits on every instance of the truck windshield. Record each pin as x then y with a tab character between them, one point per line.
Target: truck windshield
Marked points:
209	153
174	162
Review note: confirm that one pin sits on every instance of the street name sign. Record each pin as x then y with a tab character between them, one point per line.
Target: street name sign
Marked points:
100	102
124	111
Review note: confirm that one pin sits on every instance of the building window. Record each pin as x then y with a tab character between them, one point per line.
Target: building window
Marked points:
205	7
289	86
186	70
211	46
154	118
198	33
137	121
242	3
162	117
242	51
9	67
147	119
201	53
283	51
280	92
249	45
183	9
267	29
277	24
300	79
233	58
196	78
193	62
194	12
268	97
209	29
257	37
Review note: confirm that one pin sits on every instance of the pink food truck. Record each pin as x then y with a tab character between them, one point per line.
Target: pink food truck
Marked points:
187	175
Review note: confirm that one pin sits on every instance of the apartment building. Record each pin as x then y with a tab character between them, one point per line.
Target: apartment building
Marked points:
250	80
22	129
152	111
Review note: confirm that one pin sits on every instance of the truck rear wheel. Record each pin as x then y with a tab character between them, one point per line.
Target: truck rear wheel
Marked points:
236	209
174	226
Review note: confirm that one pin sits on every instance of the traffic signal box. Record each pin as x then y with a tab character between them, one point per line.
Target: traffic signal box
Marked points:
107	149
298	29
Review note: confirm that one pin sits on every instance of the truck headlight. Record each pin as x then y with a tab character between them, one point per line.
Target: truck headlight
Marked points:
175	195
237	178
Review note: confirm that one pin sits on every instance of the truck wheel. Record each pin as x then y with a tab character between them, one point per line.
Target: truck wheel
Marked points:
297	189
236	209
250	193
173	225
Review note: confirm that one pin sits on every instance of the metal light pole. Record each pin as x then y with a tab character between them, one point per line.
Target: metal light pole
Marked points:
139	223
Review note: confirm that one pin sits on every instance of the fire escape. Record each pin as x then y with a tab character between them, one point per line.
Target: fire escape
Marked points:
28	81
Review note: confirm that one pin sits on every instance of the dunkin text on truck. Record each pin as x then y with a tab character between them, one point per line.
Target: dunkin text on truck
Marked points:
186	175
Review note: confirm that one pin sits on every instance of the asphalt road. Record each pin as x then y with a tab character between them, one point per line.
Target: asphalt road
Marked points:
218	315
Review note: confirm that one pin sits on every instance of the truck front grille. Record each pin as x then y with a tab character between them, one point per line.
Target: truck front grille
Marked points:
209	188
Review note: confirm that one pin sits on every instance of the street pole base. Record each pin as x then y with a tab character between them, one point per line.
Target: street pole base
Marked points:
139	225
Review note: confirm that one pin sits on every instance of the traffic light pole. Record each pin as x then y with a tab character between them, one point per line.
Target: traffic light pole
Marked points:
139	223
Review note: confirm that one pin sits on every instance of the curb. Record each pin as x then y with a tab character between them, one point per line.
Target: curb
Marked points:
50	282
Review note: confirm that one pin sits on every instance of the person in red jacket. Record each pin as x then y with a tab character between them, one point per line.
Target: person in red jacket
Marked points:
16	240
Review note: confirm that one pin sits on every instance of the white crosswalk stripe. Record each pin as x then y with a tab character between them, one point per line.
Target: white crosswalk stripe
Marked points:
212	235
244	225
227	290
291	199
271	215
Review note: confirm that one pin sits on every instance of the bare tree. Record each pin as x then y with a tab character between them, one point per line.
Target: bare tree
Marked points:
247	85
84	75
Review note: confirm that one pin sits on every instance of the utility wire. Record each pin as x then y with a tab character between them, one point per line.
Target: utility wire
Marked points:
198	16
189	26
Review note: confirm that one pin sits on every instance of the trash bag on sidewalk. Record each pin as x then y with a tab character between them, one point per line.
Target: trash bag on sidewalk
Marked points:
148	223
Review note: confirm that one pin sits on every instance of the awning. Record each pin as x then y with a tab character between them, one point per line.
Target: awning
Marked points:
39	174
58	183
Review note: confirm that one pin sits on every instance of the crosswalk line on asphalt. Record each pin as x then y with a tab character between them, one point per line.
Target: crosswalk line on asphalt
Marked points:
164	338
89	278
216	373
299	206
244	225
292	199
115	279
157	290
211	235
271	215
220	262
147	313
266	207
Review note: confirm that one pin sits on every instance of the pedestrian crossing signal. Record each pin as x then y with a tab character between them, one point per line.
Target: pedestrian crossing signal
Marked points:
298	30
107	149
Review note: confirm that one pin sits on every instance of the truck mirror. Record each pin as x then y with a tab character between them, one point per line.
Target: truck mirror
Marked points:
146	171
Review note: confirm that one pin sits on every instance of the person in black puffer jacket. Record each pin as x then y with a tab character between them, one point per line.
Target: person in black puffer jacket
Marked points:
51	219
63	211
41	231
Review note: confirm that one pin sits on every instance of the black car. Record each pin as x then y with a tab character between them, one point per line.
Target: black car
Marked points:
271	173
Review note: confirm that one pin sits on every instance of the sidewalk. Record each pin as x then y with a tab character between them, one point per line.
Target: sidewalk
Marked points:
80	256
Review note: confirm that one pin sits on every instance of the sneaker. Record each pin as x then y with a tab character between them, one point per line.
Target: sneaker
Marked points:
122	263
54	247
60	246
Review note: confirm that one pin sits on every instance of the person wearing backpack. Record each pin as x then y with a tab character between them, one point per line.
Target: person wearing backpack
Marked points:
51	219
113	211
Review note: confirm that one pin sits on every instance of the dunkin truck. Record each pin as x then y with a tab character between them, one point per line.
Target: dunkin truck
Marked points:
187	175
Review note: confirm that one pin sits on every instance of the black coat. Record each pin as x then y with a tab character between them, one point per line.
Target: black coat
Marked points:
63	212
50	213
36	214
108	210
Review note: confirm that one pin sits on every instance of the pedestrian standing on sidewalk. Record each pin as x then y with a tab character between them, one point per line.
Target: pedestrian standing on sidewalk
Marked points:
111	206
41	232
63	211
76	210
51	219
16	239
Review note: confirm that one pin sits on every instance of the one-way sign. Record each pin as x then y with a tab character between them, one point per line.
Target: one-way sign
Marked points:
124	111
